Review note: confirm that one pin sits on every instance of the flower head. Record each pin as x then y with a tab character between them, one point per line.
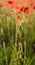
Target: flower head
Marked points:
1	5
34	7
26	9
10	2
21	9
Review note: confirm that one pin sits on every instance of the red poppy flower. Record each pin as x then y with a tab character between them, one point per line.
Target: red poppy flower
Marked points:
1	5
21	9
10	2
17	8
34	7
26	9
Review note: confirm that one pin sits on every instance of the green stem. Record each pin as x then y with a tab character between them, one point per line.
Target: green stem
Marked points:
25	53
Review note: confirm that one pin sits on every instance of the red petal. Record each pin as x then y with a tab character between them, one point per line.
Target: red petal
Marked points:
34	7
1	5
21	9
26	9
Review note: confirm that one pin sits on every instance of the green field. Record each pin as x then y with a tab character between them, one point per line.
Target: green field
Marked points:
17	39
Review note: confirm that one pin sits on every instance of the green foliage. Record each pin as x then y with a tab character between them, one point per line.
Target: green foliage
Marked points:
16	46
